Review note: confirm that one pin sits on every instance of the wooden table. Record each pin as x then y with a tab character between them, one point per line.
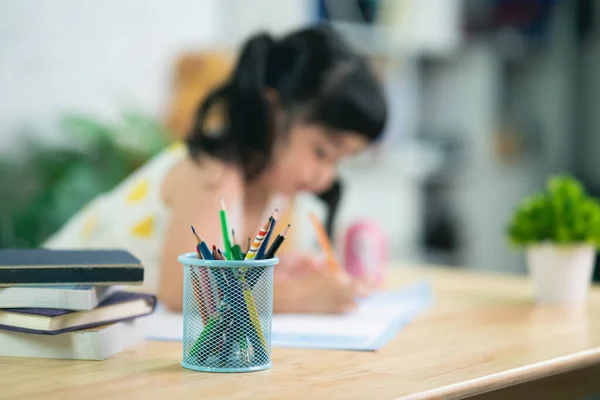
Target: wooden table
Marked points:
482	338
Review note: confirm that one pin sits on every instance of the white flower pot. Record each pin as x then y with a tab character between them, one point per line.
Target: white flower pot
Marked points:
561	274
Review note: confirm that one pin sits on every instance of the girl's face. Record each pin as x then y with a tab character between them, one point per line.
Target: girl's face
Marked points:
306	158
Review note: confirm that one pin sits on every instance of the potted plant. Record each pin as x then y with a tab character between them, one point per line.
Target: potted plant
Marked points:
42	186
560	229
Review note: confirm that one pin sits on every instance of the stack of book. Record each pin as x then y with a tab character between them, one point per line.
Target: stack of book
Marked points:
70	304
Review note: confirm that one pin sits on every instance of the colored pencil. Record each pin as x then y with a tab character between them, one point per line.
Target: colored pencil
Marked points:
254	274
246	318
236	250
210	289
220	273
221	282
233	237
260	237
196	234
247	249
228	341
202	296
202	246
201	287
260	254
225	230
206	339
209	298
277	243
251	306
325	243
236	318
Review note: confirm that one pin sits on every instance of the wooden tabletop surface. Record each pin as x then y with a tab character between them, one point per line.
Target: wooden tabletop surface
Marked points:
483	333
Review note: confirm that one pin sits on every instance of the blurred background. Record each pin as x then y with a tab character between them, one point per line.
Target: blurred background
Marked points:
487	98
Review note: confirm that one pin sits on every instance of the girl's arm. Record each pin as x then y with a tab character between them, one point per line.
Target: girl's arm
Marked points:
195	204
301	284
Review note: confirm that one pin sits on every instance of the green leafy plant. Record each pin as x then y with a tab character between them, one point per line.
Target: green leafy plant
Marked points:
43	186
562	214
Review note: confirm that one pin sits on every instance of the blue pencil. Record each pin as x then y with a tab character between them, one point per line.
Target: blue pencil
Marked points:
260	254
202	247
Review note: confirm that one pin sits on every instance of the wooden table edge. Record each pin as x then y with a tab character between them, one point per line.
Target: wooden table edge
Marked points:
512	377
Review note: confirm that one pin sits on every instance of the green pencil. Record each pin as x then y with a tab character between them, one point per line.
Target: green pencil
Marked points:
200	349
225	230
236	250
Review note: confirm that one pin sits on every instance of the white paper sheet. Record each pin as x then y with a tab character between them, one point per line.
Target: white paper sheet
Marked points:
378	320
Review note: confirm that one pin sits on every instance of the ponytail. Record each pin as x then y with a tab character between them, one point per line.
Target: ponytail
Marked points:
248	135
318	79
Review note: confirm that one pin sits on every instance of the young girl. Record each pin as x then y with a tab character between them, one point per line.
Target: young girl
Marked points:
291	110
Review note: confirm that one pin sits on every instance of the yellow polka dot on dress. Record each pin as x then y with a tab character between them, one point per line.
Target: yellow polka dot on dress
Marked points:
144	228
138	192
89	225
175	147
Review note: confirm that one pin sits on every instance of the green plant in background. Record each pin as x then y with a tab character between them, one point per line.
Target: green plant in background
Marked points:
563	214
41	188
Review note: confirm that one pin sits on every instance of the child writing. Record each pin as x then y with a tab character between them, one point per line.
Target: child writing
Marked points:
291	110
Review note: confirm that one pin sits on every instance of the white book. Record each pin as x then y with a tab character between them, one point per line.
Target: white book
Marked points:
89	344
77	298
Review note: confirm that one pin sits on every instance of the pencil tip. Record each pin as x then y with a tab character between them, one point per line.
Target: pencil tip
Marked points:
222	202
193	230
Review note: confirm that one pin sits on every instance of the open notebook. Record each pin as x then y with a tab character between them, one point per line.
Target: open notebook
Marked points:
374	324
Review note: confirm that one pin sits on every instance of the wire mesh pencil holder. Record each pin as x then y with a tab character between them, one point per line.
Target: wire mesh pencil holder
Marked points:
227	313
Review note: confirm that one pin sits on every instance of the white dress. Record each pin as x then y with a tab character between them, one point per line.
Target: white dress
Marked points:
133	216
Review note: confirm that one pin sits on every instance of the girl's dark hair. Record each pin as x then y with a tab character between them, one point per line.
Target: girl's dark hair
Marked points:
317	78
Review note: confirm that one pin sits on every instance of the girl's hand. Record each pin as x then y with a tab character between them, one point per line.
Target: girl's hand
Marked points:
314	288
295	264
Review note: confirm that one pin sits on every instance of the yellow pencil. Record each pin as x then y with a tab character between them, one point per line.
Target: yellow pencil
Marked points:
252	311
325	243
250	306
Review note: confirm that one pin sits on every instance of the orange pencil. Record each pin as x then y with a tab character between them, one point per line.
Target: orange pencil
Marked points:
325	243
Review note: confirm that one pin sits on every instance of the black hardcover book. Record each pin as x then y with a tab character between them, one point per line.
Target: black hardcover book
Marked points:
34	267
